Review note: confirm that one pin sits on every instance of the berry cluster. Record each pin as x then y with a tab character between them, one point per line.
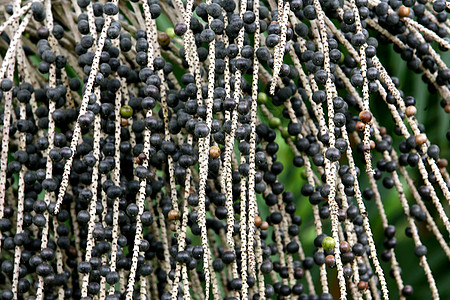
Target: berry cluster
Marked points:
142	162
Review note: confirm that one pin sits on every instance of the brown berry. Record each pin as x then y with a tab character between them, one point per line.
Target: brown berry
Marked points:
330	261
71	252
298	273
403	11
383	131
264	225
173	215
258	221
214	152
173	227
363	285
420	139
124	122
359	126
410	111
344	247
342	214
442	163
163	39
447	108
365	116
140	159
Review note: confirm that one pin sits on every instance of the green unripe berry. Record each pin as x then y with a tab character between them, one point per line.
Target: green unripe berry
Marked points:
126	111
262	98
274	123
284	133
294	138
170	32
328	243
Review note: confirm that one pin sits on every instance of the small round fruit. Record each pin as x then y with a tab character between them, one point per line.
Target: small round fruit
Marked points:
262	98
363	285
330	261
285	133
328	243
126	111
274	122
411	111
258	221
403	11
421	139
163	39
214	152
171	32
264	225
359	126
365	116
173	215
